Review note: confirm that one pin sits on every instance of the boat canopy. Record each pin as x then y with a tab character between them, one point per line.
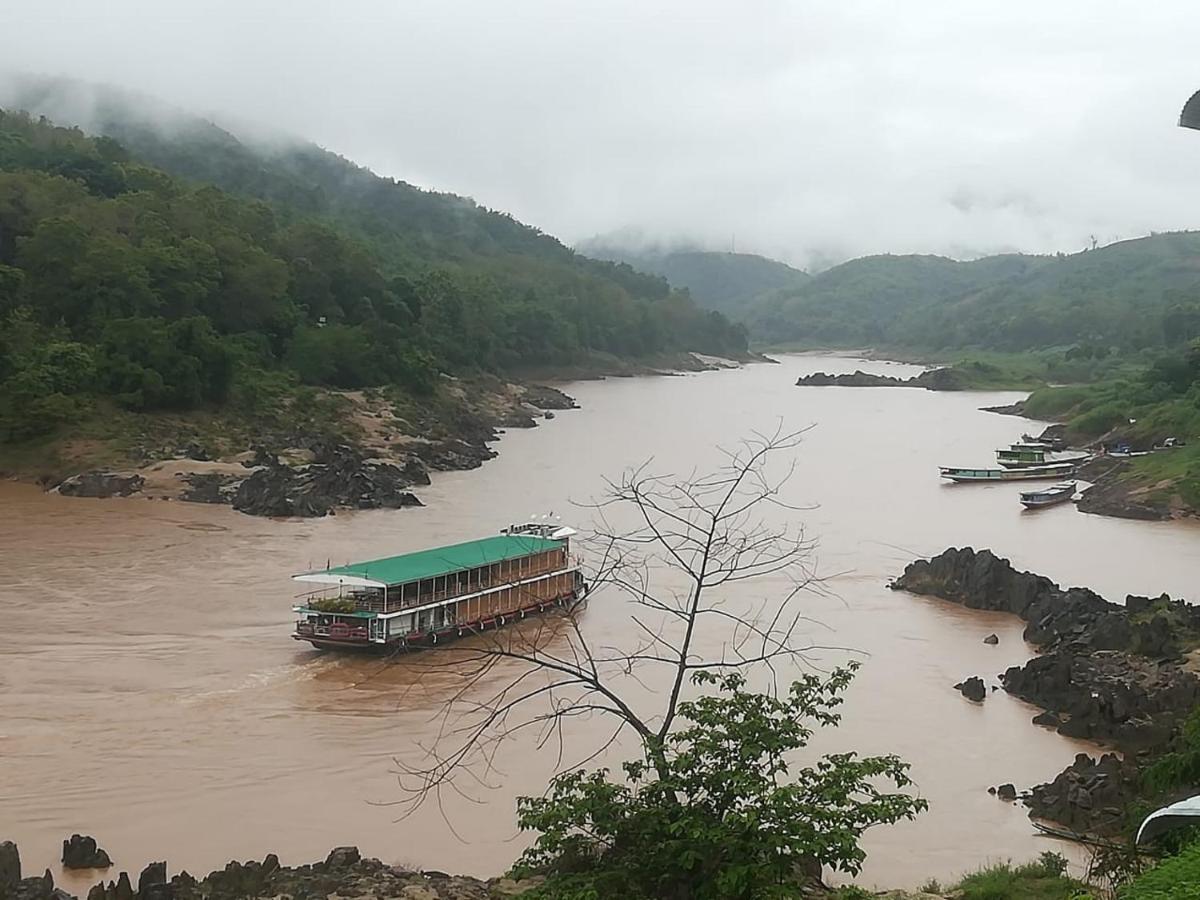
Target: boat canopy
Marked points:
1185	812
434	563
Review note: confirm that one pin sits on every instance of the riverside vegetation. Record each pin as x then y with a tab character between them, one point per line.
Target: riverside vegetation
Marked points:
198	291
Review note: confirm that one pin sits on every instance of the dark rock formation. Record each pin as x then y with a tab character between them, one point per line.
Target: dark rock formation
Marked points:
210	487
1007	792
1074	618
992	639
81	852
857	379
155	873
1114	497
973	689
340	857
545	397
34	888
339	476
10	867
1089	796
1110	674
101	485
943	379
1108	696
452	455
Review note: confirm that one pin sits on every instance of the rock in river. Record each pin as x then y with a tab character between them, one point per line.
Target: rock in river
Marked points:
101	485
80	852
973	689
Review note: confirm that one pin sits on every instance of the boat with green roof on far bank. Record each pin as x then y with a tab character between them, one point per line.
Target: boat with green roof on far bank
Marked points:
424	598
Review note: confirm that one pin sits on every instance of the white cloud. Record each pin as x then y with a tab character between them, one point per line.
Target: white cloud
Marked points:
808	129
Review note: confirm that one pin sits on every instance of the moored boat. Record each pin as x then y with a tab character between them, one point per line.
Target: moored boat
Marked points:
1020	456
1030	473
1055	493
423	598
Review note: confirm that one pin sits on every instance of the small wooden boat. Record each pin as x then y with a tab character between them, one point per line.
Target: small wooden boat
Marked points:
1056	493
1029	473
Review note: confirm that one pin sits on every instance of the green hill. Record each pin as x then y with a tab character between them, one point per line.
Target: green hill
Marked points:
725	282
873	299
175	267
1134	295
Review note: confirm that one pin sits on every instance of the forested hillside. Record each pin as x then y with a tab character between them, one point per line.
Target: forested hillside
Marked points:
160	291
725	282
1134	295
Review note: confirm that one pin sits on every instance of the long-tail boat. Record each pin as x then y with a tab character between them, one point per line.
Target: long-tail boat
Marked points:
423	598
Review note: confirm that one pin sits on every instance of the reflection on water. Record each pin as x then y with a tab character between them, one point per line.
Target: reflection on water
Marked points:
150	693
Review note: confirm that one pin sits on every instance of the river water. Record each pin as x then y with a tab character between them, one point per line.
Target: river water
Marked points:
150	693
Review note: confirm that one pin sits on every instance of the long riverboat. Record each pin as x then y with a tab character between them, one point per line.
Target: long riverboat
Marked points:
423	598
1056	471
1021	456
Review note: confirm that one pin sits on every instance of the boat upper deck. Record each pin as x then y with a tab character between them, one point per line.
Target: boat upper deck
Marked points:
437	562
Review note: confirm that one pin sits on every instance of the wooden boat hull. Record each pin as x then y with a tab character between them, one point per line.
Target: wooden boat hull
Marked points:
993	476
1052	496
443	635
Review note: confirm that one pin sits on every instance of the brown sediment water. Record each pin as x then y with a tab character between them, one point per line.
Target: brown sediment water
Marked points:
150	693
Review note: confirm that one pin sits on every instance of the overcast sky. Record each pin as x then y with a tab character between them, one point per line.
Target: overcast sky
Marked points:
809	131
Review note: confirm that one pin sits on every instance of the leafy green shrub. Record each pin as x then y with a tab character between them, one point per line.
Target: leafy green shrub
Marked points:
1176	878
716	810
1042	880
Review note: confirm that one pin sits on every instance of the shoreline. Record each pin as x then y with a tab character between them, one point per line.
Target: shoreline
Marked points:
368	454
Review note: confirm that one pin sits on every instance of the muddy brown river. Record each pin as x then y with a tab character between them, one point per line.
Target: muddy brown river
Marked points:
150	693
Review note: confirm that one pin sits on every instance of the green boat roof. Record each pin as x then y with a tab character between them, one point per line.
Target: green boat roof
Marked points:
393	570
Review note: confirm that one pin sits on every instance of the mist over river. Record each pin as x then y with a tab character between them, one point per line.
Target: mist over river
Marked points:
151	694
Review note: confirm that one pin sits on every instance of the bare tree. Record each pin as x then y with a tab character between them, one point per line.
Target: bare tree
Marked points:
683	552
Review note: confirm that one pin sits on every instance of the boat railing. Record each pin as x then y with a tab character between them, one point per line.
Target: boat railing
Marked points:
373	601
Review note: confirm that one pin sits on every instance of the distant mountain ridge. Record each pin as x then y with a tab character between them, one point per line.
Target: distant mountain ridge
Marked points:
1130	295
722	281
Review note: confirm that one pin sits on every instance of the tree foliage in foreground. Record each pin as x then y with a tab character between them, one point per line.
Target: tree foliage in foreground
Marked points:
722	808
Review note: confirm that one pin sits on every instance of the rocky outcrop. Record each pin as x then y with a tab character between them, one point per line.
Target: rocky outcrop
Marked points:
1111	674
992	639
10	867
973	689
856	379
80	852
1089	796
1074	618
344	874
34	888
546	398
1108	696
338	477
943	379
101	485
1114	497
